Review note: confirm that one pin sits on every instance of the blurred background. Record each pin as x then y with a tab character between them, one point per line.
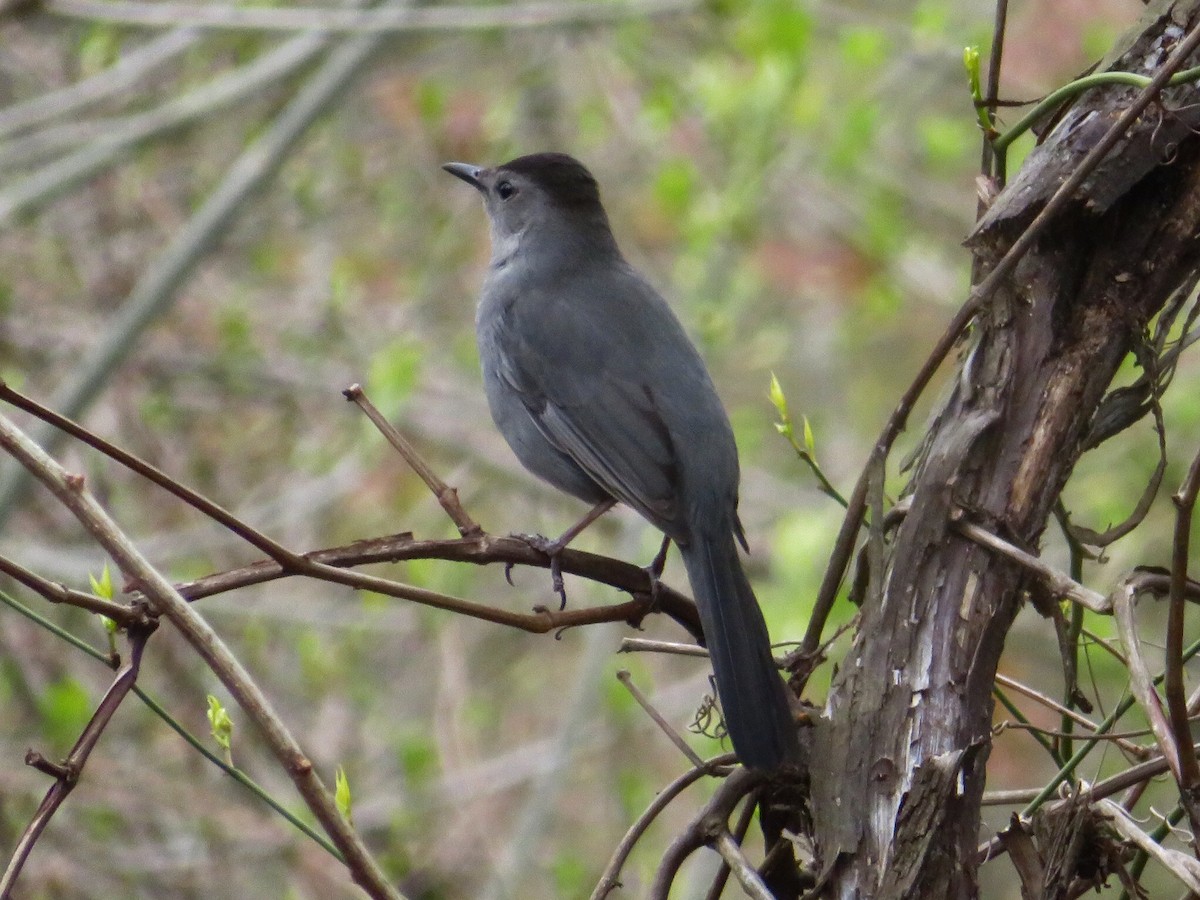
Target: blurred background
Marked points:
796	177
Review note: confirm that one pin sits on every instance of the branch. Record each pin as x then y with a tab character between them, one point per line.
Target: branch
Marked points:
66	774
445	495
71	492
705	828
1176	694
747	877
1178	864
610	879
125	616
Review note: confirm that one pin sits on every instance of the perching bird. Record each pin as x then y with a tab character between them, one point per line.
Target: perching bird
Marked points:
598	390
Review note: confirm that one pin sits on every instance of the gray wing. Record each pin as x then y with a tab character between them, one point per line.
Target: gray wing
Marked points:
603	380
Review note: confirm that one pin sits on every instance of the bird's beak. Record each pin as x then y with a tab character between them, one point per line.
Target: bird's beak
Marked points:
467	172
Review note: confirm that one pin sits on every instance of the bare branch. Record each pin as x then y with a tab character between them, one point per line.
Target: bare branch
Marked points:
610	879
1176	693
1140	683
446	495
747	877
626	679
125	616
67	773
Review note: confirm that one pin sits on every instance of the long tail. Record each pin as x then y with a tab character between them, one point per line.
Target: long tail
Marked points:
749	685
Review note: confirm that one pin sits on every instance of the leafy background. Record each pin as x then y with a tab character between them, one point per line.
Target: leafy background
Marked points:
797	177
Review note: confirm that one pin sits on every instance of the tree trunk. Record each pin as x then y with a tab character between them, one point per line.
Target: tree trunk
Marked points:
900	758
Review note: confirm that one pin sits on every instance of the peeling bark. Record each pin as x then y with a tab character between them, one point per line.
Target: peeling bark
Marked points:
902	748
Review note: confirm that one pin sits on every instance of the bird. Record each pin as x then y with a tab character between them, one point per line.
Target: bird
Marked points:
596	387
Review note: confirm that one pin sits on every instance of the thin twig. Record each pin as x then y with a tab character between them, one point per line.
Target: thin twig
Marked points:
1182	866
1173	688
1057	583
124	616
740	829
626	679
646	645
987	154
707	825
1134	775
445	495
330	565
159	710
197	501
1142	686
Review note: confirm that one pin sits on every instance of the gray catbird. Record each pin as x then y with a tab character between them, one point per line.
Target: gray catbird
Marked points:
597	389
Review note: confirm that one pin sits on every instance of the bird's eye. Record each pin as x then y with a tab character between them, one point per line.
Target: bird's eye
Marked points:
505	189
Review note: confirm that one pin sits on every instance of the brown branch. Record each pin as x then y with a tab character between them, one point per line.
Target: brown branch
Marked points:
66	773
610	879
626	679
1055	581
1051	704
735	859
125	616
1142	686
446	495
1135	775
740	829
193	499
331	565
1176	695
477	547
707	826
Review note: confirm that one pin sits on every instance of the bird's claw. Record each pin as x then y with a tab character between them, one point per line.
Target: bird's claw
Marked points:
655	579
553	549
654	571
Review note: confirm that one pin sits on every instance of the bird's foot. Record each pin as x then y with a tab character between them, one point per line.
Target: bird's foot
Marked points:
654	571
553	548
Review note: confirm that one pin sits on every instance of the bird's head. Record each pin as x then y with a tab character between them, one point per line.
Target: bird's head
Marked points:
544	197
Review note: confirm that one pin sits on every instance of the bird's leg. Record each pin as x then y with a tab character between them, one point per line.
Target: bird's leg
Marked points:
655	569
554	548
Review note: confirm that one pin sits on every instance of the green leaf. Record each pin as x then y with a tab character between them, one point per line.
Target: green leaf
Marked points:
809	443
971	63
341	794
103	586
222	727
778	400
